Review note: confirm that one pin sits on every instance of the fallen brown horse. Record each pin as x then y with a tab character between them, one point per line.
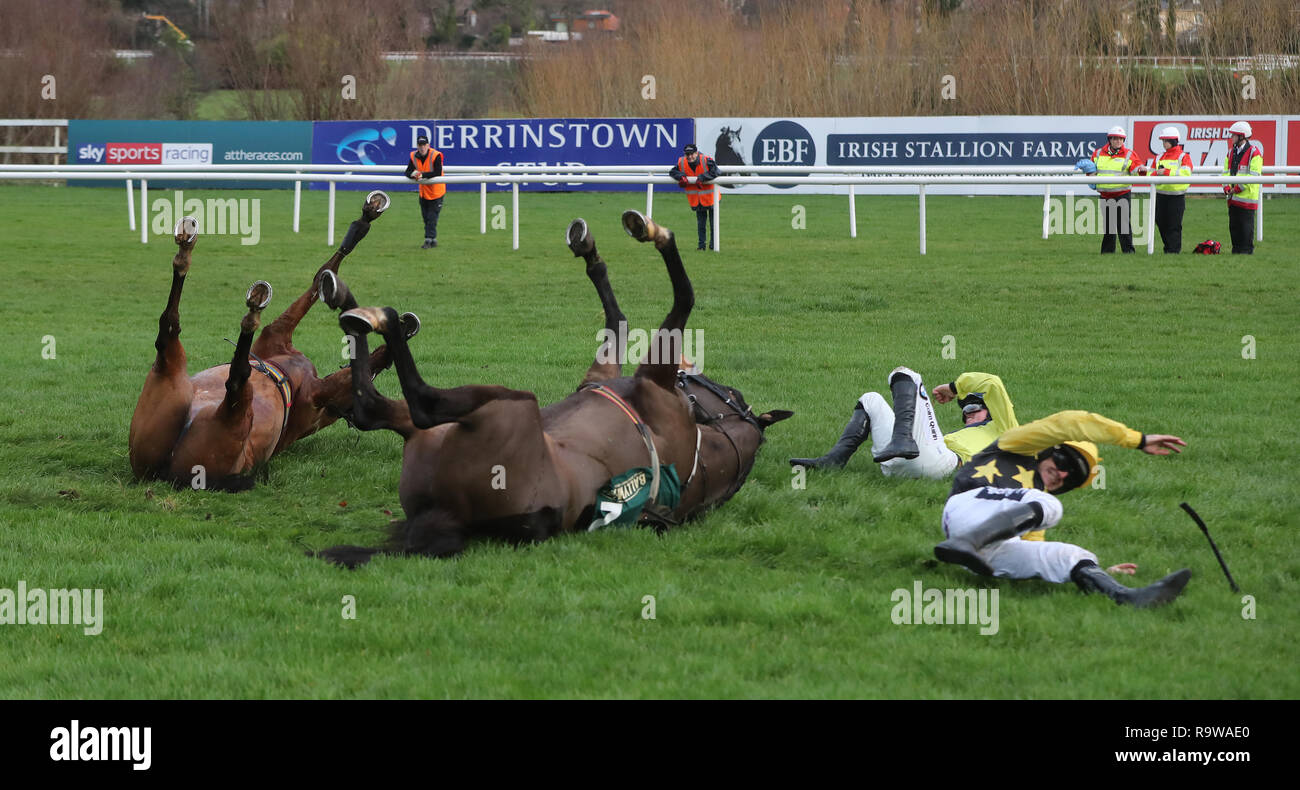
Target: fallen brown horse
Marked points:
728	431
212	429
486	461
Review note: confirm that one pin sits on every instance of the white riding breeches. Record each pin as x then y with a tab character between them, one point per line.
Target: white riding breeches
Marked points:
936	461
1015	558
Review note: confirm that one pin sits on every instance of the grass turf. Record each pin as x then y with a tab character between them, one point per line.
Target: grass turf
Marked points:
784	592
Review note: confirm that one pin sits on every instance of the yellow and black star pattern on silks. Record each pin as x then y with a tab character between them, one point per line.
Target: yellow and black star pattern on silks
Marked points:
1002	414
1012	460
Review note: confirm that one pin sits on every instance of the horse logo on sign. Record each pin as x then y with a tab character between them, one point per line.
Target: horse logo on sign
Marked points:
727	151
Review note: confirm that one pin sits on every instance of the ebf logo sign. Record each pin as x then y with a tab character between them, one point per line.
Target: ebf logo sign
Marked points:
784	143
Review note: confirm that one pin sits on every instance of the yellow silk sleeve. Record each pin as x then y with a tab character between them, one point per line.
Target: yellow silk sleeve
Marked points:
1001	410
1032	438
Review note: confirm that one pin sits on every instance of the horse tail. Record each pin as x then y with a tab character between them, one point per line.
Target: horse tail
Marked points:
233	484
430	534
230	484
350	557
434	533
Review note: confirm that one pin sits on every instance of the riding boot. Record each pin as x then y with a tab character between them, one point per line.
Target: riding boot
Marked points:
964	549
855	433
1091	578
901	445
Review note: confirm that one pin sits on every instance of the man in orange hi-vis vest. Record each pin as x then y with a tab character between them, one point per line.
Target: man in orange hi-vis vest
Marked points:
694	172
426	162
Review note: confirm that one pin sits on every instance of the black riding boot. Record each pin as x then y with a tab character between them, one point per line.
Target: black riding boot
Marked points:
964	549
1091	578
902	445
855	432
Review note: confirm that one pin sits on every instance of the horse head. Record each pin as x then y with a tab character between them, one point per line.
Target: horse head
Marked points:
730	435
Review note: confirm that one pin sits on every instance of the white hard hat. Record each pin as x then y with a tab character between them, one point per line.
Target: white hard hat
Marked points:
1241	128
1117	131
1169	133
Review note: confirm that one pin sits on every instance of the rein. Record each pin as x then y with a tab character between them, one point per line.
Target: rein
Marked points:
746	414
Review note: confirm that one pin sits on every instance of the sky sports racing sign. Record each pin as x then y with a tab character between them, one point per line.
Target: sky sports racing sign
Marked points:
905	142
544	141
189	143
197	154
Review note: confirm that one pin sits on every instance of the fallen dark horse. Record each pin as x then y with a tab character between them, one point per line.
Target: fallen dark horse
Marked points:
211	430
729	432
486	461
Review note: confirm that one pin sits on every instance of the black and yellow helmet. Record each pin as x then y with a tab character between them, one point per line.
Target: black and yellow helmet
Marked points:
1079	460
971	403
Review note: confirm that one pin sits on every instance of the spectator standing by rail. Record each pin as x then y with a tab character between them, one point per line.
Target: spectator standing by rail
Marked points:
1116	159
426	162
1244	158
694	172
1171	199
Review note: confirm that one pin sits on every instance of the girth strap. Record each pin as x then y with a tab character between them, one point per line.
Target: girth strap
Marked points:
641	427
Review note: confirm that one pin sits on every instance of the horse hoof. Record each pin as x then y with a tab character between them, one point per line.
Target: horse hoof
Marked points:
259	295
377	203
364	319
578	239
333	291
410	325
186	231
642	228
636	224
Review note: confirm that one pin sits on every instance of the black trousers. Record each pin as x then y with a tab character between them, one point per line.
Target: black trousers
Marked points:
1169	219
1115	221
1241	224
430	209
704	215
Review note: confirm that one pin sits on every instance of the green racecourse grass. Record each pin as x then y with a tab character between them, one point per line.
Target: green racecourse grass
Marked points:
782	592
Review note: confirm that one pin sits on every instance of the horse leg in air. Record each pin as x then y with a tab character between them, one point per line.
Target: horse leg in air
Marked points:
277	337
239	398
609	357
352	390
165	400
429	406
666	349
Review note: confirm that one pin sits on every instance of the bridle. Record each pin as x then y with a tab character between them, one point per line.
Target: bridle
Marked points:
746	414
703	417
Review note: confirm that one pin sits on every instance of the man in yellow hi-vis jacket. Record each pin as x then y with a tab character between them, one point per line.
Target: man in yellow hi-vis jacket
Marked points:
1171	198
1011	487
1244	158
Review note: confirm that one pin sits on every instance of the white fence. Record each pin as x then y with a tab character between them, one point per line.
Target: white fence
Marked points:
631	174
55	151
